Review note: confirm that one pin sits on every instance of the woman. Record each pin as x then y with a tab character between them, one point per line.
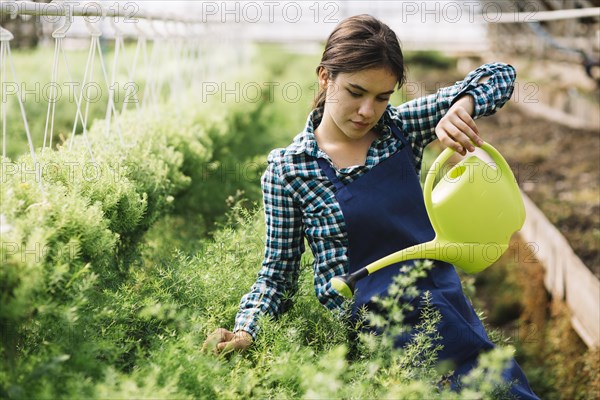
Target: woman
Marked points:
349	184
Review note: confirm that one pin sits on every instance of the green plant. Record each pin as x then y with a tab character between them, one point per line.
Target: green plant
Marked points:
73	297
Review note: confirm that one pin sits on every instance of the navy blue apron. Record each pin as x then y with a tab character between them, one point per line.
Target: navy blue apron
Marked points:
384	212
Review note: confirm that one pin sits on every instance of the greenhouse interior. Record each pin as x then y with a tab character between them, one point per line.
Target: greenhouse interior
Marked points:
149	156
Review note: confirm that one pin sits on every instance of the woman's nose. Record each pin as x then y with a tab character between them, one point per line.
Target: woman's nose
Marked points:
366	109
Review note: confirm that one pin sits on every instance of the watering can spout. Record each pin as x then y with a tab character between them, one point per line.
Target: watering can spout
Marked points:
470	257
345	284
430	250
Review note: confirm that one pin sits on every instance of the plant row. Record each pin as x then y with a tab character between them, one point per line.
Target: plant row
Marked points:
73	226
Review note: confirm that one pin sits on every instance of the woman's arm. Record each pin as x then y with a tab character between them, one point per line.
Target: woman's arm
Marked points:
481	93
278	276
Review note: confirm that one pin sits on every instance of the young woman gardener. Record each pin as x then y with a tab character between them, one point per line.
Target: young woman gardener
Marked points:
349	184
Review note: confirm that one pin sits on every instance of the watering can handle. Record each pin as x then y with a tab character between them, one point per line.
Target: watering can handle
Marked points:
441	160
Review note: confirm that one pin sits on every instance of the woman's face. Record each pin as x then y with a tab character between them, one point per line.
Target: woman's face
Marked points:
356	101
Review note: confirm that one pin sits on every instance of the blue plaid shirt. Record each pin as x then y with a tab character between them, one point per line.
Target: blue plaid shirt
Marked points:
299	200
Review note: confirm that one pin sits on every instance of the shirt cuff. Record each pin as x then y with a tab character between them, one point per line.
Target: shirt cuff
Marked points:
481	105
246	325
492	94
245	329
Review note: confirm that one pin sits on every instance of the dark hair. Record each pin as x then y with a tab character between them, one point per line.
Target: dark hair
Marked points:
357	43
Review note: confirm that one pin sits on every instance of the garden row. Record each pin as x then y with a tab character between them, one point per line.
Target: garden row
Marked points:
143	337
73	228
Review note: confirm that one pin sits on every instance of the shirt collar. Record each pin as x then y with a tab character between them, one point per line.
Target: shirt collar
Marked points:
305	141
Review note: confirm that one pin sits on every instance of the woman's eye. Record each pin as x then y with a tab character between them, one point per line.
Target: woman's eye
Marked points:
383	100
353	94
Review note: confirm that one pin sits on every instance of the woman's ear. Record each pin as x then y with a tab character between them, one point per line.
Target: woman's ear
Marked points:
324	77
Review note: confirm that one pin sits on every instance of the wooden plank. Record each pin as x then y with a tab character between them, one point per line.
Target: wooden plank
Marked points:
534	231
566	277
583	298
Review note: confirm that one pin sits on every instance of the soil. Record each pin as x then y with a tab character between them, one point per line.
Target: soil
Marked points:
559	169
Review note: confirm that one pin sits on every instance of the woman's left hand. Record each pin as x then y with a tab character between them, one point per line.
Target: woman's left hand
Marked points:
457	129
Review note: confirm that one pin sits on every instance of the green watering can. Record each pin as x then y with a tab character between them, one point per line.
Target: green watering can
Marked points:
474	209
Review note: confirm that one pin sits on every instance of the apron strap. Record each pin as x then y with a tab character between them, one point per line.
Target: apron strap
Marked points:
398	134
330	172
402	138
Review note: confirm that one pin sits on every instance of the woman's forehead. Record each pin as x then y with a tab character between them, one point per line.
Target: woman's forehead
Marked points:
377	80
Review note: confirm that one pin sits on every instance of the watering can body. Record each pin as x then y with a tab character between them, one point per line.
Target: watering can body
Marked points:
475	208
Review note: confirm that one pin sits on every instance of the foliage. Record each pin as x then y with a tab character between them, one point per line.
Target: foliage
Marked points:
142	338
429	59
72	229
73	226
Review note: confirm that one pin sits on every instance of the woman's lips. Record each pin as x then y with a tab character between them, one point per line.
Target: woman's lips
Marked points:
360	125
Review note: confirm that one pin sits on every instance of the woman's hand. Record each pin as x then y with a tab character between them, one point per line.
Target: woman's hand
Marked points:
457	129
224	341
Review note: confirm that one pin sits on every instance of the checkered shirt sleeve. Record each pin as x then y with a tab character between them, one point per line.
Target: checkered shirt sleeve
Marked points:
278	277
420	116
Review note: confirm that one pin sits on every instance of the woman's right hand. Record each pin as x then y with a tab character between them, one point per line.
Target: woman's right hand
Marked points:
224	341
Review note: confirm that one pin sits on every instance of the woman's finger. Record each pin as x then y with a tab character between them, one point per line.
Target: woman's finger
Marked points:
460	136
448	141
466	118
449	135
455	144
214	339
466	124
458	127
239	341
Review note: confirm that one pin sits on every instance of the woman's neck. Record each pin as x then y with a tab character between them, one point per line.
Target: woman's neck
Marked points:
344	151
